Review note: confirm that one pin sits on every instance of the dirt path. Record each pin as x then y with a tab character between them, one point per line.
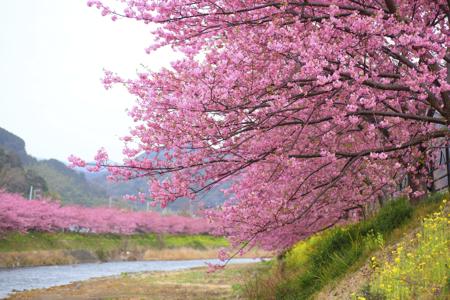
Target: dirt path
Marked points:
182	285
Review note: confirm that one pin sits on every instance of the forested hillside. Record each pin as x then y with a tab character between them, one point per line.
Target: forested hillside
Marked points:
19	171
14	178
69	185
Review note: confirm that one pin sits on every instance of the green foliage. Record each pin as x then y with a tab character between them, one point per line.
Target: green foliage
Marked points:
337	250
263	279
374	240
194	241
391	216
102	255
326	257
14	178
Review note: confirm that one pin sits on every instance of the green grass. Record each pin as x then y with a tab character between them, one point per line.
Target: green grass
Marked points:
324	258
70	241
194	241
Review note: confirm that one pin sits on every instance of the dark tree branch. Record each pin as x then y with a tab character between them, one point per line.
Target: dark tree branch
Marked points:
391	6
413	142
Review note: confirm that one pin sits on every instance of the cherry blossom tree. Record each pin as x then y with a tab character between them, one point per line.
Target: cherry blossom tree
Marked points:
310	108
19	214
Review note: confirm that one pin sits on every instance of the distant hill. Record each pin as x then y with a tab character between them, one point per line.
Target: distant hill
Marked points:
14	144
69	185
19	170
15	179
210	199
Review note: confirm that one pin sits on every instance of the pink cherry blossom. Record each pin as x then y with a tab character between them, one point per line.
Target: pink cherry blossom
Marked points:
305	108
19	214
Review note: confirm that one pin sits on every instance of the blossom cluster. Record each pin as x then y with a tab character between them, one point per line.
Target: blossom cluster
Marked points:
293	103
19	214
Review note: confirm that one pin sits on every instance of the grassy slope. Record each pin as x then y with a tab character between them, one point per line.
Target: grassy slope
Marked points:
73	241
417	267
326	258
37	248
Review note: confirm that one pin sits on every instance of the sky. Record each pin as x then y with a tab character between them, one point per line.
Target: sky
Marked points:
52	56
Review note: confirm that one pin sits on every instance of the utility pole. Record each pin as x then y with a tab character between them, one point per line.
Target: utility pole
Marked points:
30	196
447	162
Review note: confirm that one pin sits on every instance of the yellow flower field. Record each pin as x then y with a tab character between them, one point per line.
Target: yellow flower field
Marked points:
419	268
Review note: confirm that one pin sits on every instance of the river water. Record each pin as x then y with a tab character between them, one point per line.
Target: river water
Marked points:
19	279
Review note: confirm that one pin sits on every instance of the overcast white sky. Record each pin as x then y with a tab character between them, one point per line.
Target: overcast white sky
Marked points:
52	55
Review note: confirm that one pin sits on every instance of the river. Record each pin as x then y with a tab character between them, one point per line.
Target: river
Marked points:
19	279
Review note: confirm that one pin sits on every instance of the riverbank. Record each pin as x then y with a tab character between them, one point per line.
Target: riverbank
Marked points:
37	248
184	284
406	243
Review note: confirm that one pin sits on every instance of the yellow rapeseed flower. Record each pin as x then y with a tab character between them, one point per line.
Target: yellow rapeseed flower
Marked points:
426	261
